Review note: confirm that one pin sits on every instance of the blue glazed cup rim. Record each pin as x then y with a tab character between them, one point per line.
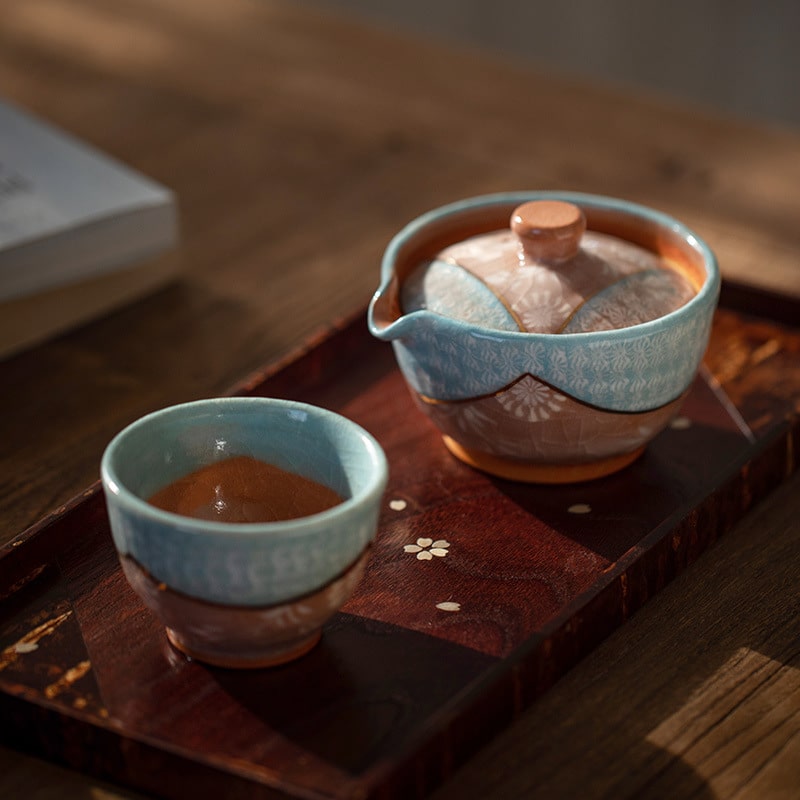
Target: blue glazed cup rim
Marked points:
292	528
707	292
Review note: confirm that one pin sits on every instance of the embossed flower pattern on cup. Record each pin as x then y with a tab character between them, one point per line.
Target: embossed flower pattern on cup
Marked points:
531	400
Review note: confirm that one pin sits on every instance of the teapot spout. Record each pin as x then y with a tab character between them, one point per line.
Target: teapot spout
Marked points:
385	312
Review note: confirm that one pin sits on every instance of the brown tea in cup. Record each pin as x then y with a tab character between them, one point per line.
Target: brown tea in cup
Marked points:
244	489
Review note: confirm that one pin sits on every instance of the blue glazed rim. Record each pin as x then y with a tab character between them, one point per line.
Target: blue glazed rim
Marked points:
441	380
708	292
292	528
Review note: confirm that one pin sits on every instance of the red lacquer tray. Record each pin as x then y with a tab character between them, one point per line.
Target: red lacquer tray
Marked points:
436	652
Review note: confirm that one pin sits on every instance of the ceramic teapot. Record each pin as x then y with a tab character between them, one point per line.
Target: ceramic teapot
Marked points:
548	335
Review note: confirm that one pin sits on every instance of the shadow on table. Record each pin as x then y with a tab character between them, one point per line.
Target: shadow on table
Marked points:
658	695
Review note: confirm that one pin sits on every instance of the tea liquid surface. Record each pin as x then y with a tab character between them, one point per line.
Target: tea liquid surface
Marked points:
244	489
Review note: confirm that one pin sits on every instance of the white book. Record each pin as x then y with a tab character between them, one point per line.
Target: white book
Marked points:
69	215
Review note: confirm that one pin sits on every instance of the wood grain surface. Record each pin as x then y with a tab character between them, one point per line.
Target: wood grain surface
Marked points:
399	691
697	696
297	145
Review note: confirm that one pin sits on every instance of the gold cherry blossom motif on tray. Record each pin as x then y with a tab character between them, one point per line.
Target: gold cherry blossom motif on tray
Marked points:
425	548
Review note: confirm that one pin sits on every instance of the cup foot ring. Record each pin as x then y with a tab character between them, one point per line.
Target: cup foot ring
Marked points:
280	653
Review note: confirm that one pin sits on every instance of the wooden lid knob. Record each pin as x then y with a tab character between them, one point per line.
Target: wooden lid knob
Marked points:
549	230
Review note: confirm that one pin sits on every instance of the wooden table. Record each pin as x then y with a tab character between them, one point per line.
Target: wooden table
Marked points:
297	145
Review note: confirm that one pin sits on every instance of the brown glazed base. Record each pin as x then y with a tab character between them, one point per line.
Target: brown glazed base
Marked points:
243	637
528	472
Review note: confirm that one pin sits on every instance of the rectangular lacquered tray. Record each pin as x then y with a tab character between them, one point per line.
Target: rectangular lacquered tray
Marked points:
432	656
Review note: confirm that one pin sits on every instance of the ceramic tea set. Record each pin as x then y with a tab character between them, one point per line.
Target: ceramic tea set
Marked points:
548	336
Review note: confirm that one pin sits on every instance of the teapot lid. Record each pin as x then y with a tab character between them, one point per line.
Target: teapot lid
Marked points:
546	273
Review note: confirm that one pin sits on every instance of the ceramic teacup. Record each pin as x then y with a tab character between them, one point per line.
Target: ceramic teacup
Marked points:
252	567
